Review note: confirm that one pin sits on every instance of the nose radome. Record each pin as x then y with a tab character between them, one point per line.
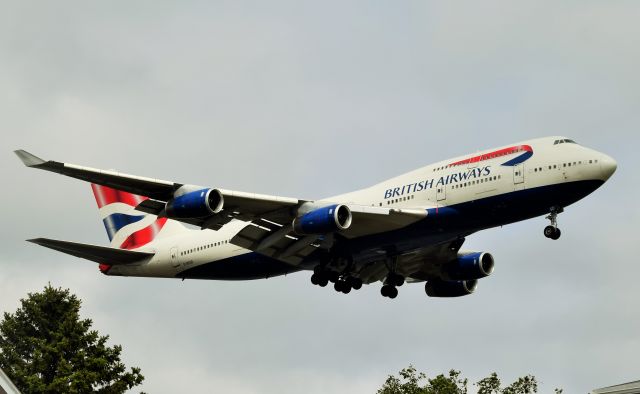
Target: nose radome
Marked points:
608	166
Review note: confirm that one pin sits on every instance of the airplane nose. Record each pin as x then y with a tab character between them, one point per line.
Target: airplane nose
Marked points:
608	166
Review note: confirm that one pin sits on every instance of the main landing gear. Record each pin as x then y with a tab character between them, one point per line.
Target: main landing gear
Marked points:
552	231
343	283
389	289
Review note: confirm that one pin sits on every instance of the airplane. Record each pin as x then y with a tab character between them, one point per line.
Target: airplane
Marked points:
408	229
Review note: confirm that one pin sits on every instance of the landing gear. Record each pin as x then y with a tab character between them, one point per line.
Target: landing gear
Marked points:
320	276
552	231
342	286
319	280
393	281
343	283
389	291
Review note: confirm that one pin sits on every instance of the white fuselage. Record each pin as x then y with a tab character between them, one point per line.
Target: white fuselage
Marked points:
528	165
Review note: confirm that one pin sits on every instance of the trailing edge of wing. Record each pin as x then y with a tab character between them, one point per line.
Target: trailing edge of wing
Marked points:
98	254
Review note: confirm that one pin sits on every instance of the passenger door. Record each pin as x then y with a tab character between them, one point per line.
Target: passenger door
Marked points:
518	176
441	193
173	253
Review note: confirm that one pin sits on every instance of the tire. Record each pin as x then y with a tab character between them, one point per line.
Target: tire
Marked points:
385	291
314	279
393	292
556	234
550	231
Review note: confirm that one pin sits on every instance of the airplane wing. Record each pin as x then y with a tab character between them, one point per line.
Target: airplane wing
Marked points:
236	204
271	232
98	254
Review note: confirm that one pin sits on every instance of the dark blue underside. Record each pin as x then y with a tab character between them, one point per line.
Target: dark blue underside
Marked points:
452	222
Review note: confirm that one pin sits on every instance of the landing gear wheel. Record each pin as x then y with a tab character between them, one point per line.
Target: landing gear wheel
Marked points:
342	286
356	283
549	231
389	291
552	232
393	293
314	279
323	281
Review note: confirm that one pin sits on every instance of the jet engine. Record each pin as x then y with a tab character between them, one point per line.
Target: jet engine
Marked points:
323	220
444	288
467	266
195	204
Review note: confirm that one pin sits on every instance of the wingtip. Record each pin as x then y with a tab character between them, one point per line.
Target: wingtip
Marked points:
28	159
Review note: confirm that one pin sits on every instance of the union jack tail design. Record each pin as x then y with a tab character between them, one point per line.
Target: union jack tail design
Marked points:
126	227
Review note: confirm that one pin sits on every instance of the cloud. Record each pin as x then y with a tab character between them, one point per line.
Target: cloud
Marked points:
312	100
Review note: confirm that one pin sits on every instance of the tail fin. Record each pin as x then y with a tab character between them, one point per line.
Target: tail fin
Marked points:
126	227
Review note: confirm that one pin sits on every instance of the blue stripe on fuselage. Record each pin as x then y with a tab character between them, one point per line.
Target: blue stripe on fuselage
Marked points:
517	160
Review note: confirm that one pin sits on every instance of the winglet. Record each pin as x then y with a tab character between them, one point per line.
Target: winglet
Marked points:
28	159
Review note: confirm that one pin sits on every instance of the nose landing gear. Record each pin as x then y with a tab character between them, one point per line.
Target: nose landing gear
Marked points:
552	231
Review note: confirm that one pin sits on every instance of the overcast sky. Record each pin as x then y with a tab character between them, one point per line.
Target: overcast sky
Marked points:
311	99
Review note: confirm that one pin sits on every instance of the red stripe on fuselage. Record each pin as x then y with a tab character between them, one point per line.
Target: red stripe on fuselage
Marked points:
105	195
494	154
144	236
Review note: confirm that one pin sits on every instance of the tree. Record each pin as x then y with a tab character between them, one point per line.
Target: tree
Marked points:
489	385
524	385
46	348
409	382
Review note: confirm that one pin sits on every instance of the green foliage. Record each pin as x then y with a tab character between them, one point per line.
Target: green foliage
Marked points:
524	385
489	385
410	382
46	348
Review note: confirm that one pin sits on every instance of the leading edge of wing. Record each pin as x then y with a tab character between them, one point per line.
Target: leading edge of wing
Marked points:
153	188
95	253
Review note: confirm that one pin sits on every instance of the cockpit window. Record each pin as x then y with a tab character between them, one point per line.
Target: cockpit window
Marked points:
556	142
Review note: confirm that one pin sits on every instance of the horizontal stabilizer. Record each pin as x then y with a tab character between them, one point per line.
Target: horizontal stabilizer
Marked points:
99	254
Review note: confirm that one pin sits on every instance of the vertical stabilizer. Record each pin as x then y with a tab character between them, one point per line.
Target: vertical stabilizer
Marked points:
126	227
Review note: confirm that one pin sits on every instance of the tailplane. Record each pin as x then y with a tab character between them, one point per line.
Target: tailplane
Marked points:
126	227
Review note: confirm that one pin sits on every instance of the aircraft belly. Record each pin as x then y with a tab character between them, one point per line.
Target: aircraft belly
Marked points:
242	267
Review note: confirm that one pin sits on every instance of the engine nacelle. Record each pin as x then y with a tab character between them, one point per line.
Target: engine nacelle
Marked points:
444	288
195	204
468	266
323	220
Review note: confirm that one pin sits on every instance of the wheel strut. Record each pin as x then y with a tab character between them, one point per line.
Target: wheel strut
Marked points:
552	231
